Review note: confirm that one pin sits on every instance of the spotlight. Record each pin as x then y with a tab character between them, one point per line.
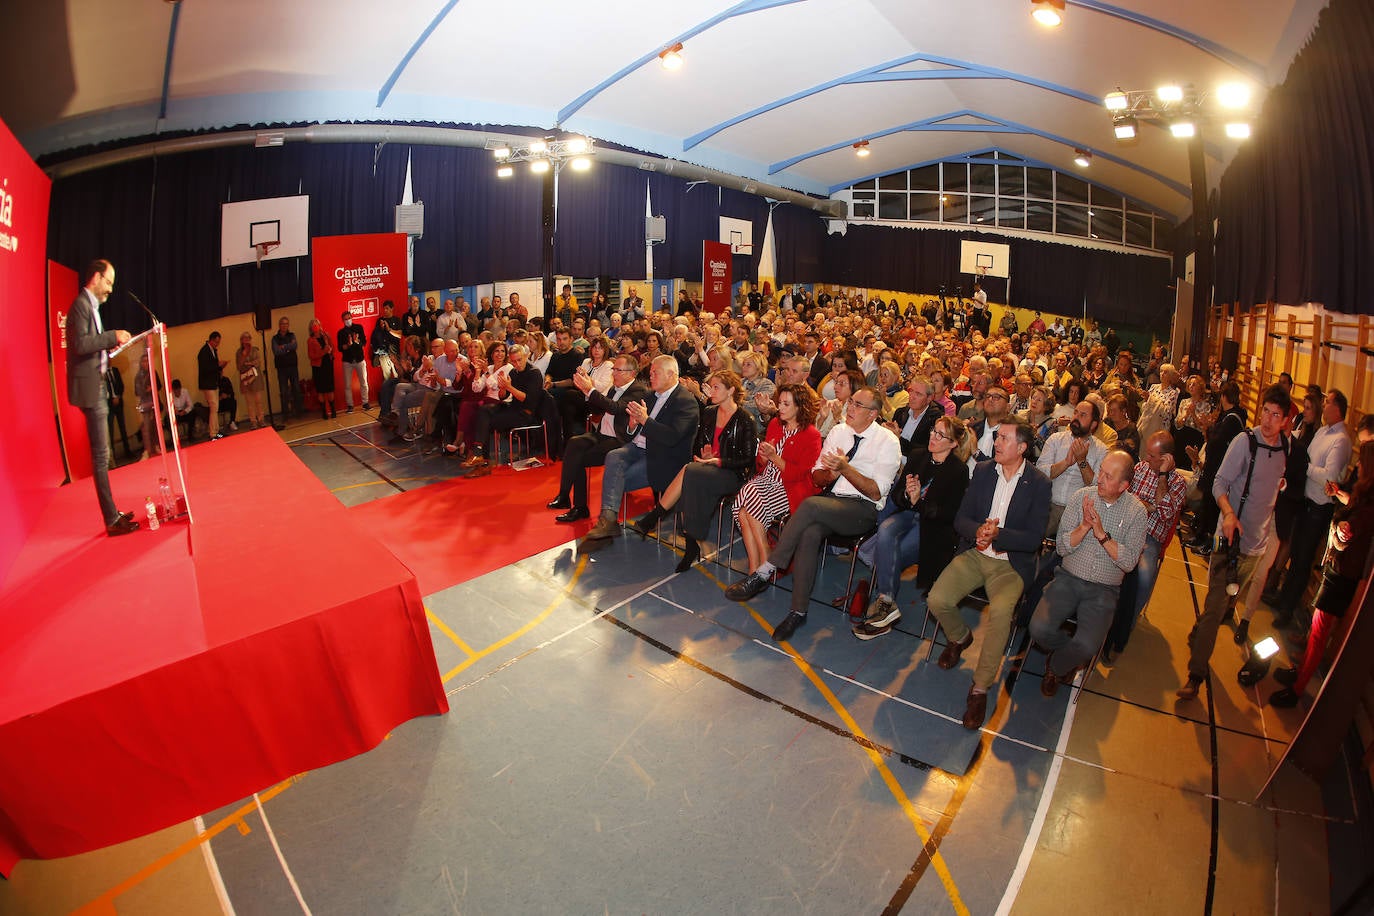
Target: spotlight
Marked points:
539	166
505	171
1124	128
1169	93
1049	13
1183	129
501	153
581	164
1233	95
538	146
1238	130
1116	101
577	145
1256	667
671	58
861	149
1082	158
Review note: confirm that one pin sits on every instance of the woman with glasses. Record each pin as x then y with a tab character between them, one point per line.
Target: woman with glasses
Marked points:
723	460
920	529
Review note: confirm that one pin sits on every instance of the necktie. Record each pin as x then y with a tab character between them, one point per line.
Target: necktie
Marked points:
848	456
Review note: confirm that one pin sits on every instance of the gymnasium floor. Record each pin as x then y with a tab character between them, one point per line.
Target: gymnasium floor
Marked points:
626	740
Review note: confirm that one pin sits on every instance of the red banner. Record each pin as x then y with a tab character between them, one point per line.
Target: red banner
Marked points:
716	262
30	462
63	286
357	273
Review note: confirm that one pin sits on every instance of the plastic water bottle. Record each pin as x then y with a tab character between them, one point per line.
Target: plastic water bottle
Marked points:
169	505
152	514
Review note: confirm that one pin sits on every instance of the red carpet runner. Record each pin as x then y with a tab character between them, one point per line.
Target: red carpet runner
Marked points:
448	533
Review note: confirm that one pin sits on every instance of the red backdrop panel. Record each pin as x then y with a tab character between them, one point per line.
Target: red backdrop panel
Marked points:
357	273
30	462
716	264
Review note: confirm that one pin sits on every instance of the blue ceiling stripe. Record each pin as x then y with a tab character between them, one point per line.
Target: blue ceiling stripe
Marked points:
956	69
167	64
1251	68
978	157
739	9
996	125
405	61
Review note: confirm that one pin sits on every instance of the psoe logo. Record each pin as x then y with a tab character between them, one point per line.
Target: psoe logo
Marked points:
6	204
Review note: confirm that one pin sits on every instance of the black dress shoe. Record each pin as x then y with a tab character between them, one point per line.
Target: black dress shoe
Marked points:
1286	676
574	514
950	657
122	525
560	502
783	631
748	587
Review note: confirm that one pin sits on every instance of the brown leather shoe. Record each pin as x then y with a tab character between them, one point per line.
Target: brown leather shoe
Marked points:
604	528
976	711
1049	684
950	657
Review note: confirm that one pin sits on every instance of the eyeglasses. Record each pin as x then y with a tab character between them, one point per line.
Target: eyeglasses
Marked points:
854	403
936	434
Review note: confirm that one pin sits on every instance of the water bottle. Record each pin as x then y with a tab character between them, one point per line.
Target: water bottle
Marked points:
169	506
152	514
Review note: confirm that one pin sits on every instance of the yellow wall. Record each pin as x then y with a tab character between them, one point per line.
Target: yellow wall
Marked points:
184	342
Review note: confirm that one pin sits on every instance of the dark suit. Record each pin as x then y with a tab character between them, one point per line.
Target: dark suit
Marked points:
667	448
590	449
1019	537
820	368
86	390
920	436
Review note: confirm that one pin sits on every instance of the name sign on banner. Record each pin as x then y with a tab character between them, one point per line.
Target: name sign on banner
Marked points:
356	274
716	265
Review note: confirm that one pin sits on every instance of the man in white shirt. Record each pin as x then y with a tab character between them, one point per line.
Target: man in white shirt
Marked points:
449	324
1071	458
858	463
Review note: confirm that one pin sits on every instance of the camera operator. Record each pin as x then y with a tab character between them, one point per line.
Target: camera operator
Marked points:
1246	487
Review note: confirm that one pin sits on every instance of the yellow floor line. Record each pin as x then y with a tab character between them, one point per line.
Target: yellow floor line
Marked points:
889	779
540	618
103	905
444	628
373	483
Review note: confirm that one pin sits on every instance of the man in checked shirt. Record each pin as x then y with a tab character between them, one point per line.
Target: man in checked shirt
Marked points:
1163	490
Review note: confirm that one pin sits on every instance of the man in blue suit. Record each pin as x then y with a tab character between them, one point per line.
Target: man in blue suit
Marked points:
1001	525
87	363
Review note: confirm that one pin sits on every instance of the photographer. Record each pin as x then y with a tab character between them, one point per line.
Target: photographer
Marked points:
1245	488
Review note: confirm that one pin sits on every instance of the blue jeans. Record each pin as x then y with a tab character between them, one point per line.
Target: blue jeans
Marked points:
98	432
896	546
1136	589
626	470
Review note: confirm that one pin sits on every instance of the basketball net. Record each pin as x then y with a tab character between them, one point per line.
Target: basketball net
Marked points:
262	248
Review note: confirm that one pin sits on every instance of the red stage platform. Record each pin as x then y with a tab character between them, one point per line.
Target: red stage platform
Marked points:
150	678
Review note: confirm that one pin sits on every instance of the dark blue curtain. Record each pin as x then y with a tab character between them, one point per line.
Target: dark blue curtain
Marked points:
692	215
600	222
478	228
738	205
1296	204
799	241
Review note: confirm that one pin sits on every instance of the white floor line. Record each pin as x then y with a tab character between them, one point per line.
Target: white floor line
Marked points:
354	431
272	838
226	906
1042	810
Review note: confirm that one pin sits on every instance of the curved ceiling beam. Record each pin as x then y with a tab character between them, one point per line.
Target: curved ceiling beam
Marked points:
167	64
415	47
739	9
991	125
984	156
1250	68
953	69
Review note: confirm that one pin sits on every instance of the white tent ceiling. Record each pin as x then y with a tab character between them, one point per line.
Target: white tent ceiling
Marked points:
772	90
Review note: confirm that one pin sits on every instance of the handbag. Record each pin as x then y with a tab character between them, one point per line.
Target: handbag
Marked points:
249	377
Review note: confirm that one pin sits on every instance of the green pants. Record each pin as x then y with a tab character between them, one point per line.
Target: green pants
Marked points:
968	571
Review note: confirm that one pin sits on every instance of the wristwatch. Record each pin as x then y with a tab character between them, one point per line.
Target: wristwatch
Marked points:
1104	539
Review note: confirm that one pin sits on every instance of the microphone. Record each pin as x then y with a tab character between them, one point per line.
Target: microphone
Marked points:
143	306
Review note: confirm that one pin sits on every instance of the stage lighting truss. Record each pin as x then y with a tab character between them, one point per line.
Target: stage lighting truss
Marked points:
543	154
1181	108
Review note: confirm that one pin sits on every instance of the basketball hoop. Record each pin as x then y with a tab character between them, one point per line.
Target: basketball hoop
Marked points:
982	272
262	248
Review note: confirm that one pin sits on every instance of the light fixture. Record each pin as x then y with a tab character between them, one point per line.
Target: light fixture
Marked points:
1259	657
861	149
505	171
1169	93
1183	128
1233	95
544	154
539	166
671	58
943	199
538	146
577	145
1116	100
1238	130
581	164
1082	158
1049	13
1124	128
501	153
